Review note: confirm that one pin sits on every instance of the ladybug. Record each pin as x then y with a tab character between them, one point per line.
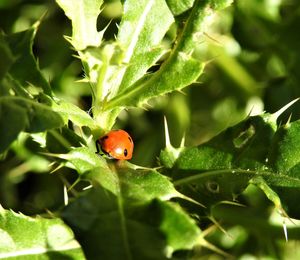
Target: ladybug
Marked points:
117	144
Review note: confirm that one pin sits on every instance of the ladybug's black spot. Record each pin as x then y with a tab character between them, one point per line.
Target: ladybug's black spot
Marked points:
125	152
104	137
130	140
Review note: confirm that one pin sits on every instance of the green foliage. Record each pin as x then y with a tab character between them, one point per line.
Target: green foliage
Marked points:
242	175
21	114
221	169
21	48
83	15
23	237
126	214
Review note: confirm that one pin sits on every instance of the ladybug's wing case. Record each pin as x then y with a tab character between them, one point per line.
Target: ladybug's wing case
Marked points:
117	144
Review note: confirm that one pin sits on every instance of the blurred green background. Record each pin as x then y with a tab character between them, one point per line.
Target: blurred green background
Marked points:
253	59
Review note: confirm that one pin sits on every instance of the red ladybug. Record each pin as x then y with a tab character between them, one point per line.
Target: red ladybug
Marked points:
117	144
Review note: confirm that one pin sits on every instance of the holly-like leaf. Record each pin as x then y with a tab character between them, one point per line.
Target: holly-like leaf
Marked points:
20	114
83	14
140	36
126	209
27	238
179	70
109	228
285	153
85	160
284	160
245	145
118	71
221	169
253	151
69	111
122	179
25	69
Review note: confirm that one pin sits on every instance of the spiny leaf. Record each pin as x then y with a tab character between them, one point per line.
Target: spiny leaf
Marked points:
111	229
69	111
84	160
140	36
285	152
127	210
27	238
222	168
244	145
20	114
25	69
116	66
178	71
284	160
253	151
83	14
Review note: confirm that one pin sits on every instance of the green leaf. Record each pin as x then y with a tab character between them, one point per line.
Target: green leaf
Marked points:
24	237
34	162
6	55
285	153
245	145
121	178
85	160
62	140
20	114
147	184
287	189
69	111
162	82
125	211
179	228
83	14
178	71
108	228
116	66
284	159
249	152
221	169
13	120
17	88
140	36
25	69
178	7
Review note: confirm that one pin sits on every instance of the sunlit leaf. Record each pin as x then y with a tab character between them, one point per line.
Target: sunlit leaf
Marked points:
69	111
179	70
25	237
83	14
140	36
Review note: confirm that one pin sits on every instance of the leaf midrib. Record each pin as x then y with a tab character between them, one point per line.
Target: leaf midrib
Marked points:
253	173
